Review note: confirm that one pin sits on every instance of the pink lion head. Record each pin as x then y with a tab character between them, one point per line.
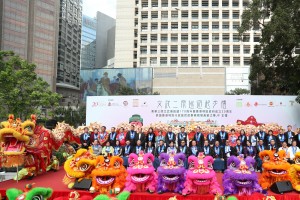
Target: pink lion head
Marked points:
200	169
140	167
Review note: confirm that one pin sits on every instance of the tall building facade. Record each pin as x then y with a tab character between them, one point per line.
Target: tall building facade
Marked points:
88	43
69	48
105	48
30	29
186	38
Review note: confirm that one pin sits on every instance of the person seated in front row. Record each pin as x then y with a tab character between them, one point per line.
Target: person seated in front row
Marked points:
194	149
118	149
183	148
127	149
96	148
138	147
249	150
107	149
238	148
161	148
218	157
293	150
172	148
206	149
150	148
272	146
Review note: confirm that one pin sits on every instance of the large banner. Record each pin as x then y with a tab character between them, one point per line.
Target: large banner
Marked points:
106	82
186	109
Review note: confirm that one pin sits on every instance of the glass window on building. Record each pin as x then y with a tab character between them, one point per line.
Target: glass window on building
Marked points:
184	3
195	60
195	26
195	14
215	37
184	14
215	26
195	37
164	3
143	49
205	25
226	60
246	61
174	49
236	61
215	14
225	3
153	61
163	49
205	14
153	49
154	15
205	37
215	49
246	49
164	14
215	60
174	37
143	61
205	61
215	4
184	61
174	60
205	49
174	14
194	49
163	61
184	26
164	26
195	3
236	49
205	3
184	37
226	49
153	38
184	49
174	3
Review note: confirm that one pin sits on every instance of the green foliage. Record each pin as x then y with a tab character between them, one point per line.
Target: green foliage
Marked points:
22	92
275	68
74	117
238	91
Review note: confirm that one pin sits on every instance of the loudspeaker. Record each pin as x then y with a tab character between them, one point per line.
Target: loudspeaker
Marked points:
84	184
281	187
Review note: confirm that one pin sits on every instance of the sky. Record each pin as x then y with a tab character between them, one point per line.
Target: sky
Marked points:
108	7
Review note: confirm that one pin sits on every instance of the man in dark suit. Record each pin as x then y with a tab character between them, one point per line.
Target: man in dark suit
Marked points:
140	136
272	145
150	137
150	148
238	148
131	135
211	137
261	135
249	150
260	147
270	137
199	137
208	151
290	135
281	138
170	136
138	147
161	148
127	149
218	157
243	139
222	136
297	138
182	136
183	148
194	149
85	138
112	137
228	151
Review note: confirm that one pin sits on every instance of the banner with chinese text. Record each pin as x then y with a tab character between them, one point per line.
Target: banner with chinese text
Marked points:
180	110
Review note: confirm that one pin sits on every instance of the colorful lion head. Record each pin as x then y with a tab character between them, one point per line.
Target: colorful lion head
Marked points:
170	171
201	178
109	174
141	173
275	168
294	172
240	177
79	165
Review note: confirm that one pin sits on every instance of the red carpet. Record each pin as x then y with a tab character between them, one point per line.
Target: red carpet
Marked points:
54	181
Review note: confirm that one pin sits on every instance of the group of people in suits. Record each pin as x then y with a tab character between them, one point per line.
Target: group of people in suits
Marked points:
220	145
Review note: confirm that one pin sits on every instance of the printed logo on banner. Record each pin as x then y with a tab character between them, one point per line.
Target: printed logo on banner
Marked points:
144	104
135	103
248	104
125	103
255	104
271	104
292	103
239	103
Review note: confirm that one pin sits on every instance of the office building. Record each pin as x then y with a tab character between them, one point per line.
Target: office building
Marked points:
105	47
193	45
69	48
88	43
30	29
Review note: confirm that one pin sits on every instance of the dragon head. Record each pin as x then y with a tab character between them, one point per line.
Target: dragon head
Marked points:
171	166
200	169
109	171
274	163
241	171
79	165
15	134
140	167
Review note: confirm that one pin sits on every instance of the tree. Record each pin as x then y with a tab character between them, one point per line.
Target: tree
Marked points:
238	91
22	92
74	117
275	67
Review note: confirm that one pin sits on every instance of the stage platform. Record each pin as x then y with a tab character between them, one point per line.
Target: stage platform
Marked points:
54	181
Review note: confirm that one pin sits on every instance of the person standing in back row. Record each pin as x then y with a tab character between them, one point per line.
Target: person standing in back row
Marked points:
131	135
222	136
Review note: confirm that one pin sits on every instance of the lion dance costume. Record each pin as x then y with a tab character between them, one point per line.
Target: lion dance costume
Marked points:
295	172
141	174
275	168
171	173
29	193
201	178
240	177
109	175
